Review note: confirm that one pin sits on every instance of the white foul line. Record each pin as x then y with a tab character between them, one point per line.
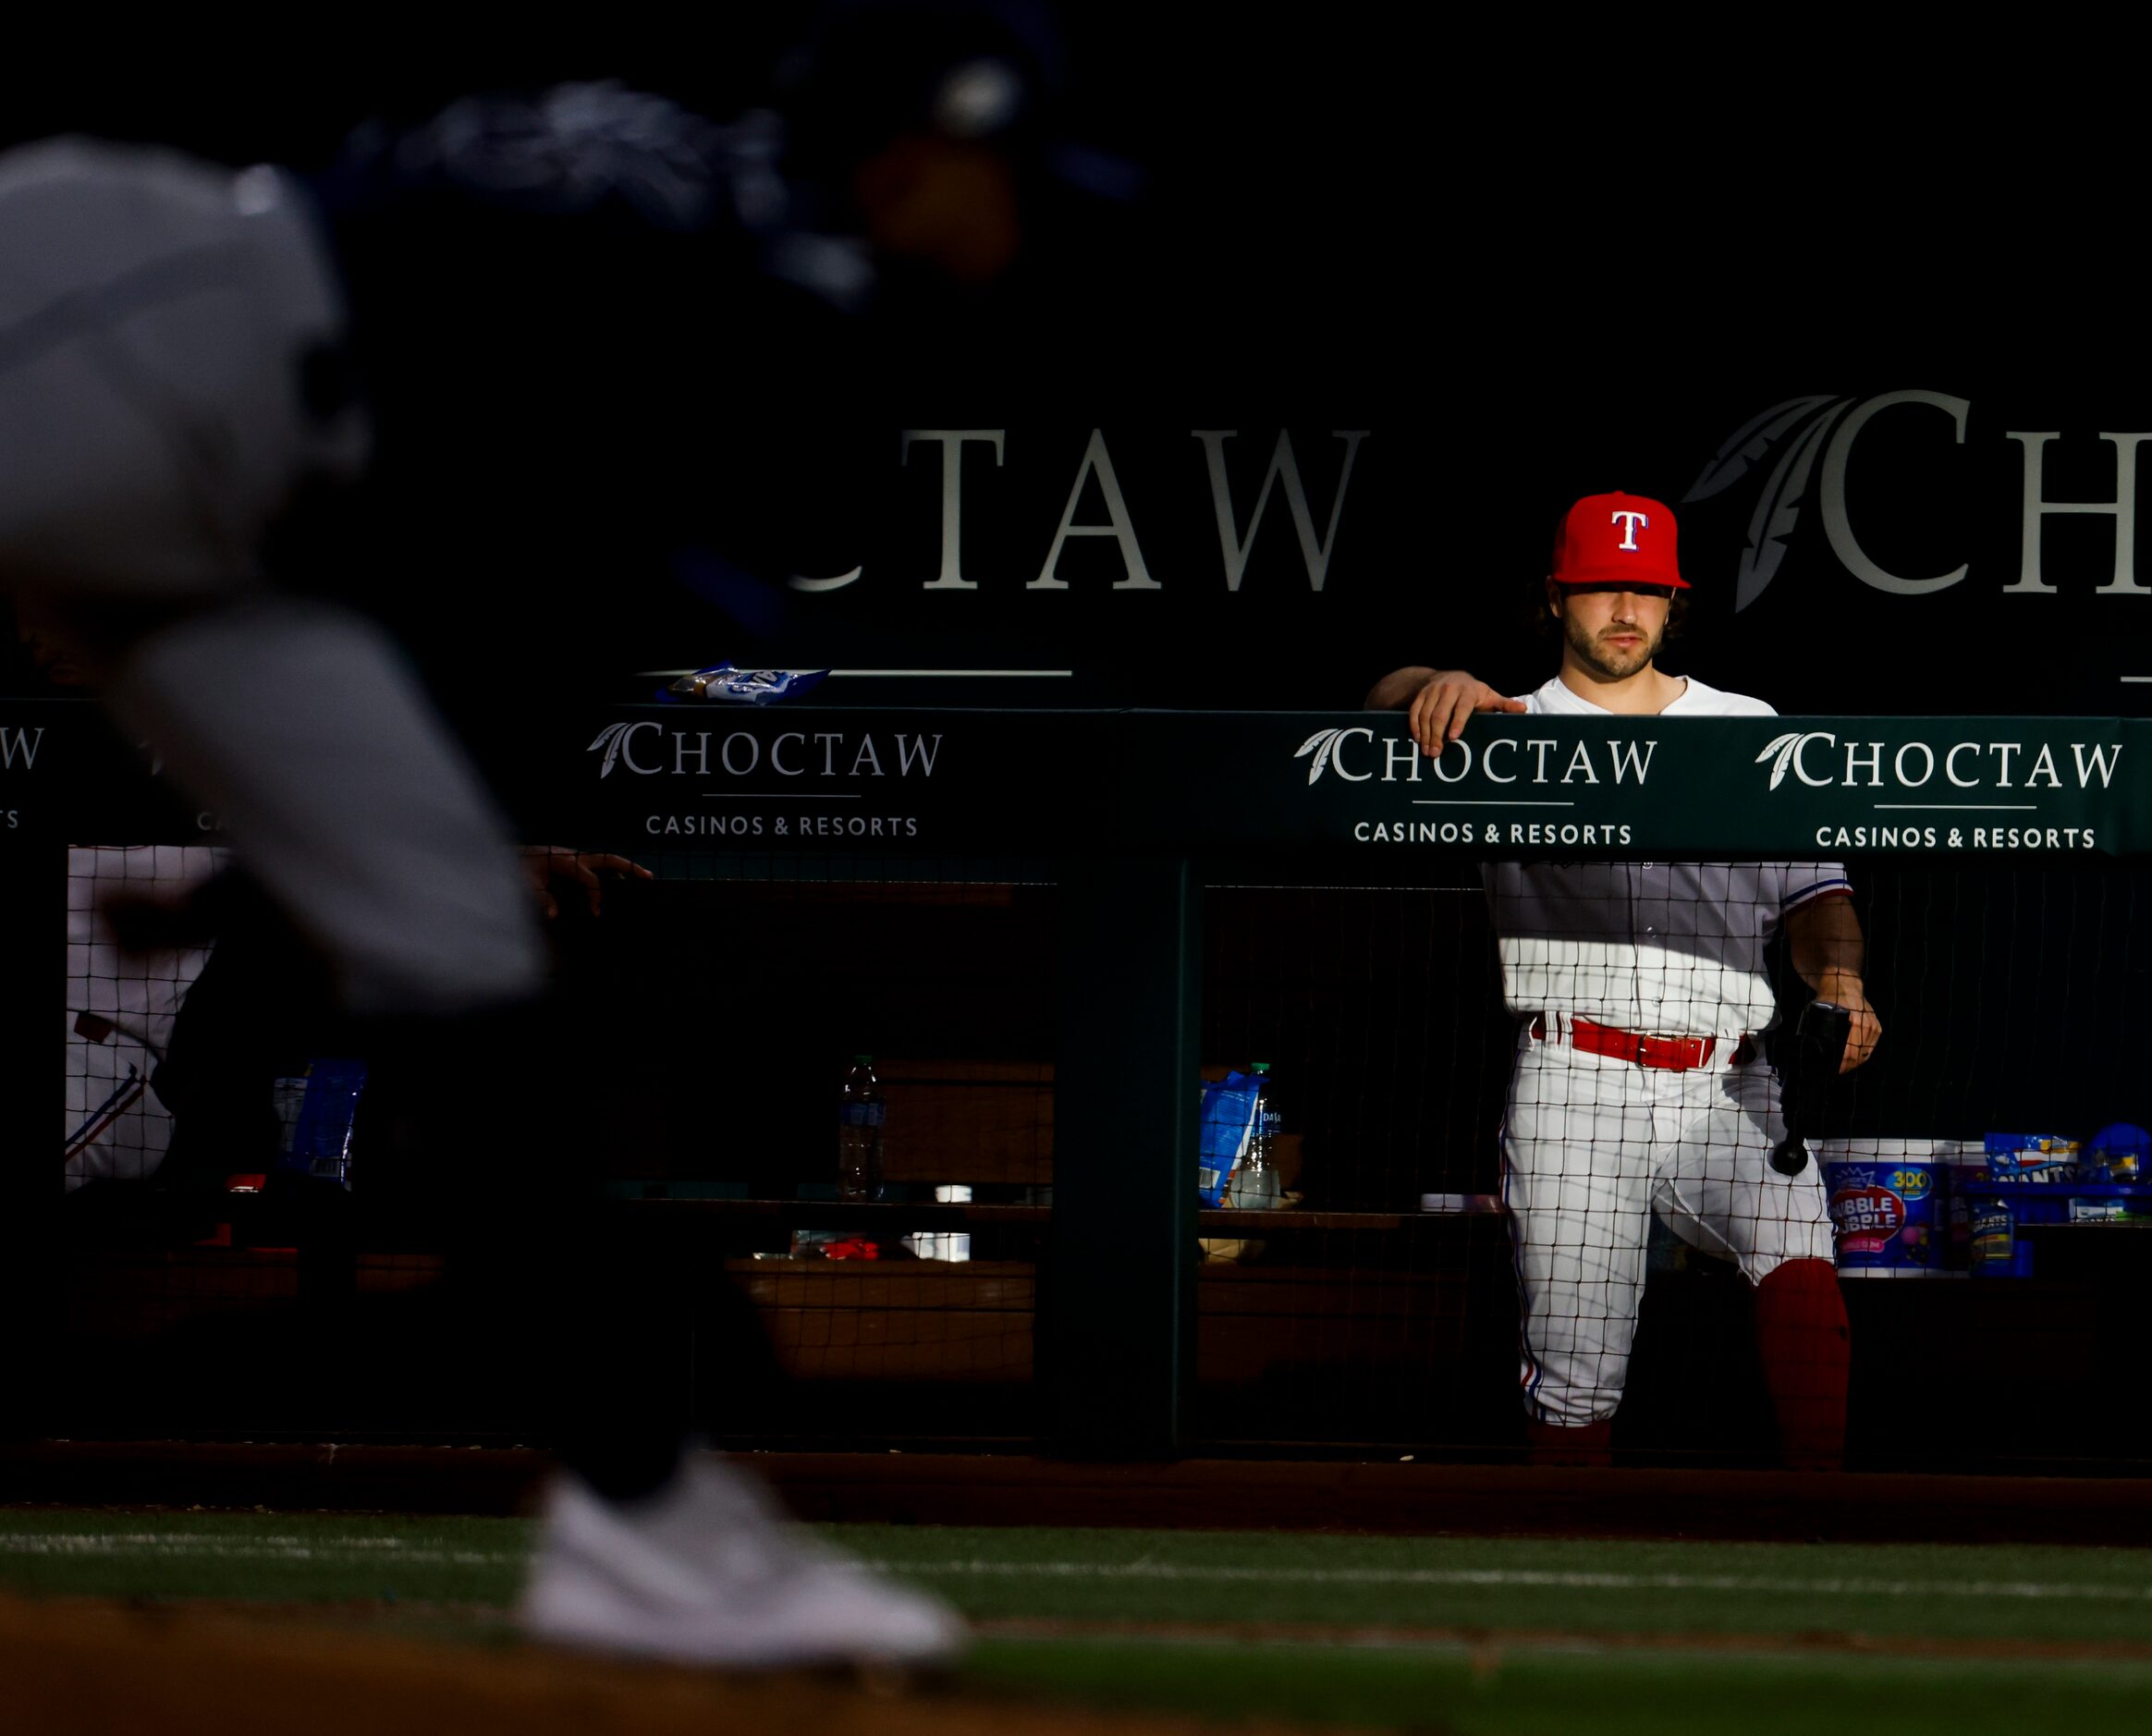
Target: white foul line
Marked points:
1520	1577
390	1549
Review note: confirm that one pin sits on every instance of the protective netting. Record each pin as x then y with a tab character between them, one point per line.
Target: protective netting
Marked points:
1527	1119
1532	1114
900	1297
269	1186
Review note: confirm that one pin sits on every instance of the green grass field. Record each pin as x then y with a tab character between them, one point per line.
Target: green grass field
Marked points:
1469	1635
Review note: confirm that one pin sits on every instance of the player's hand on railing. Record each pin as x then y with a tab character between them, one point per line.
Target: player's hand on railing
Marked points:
1844	989
544	863
1439	709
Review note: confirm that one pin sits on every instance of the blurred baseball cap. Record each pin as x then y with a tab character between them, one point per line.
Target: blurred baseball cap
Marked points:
1617	539
869	71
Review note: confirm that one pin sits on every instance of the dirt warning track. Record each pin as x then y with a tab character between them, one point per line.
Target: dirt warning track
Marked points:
78	1666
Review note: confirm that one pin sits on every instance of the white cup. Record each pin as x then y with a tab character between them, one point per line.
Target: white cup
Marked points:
930	1244
945	1245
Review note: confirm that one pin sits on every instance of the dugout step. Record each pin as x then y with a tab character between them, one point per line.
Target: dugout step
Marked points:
1021	1488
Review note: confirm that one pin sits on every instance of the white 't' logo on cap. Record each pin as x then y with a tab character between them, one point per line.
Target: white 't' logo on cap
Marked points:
1629	531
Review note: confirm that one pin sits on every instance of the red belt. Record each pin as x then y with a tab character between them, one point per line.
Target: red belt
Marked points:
1678	1055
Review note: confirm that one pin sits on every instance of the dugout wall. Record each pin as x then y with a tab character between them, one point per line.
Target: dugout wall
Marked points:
1084	913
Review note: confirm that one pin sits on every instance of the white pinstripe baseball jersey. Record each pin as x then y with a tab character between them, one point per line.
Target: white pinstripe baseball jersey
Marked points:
1670	949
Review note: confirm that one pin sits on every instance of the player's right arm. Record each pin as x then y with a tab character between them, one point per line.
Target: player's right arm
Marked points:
546	863
1437	703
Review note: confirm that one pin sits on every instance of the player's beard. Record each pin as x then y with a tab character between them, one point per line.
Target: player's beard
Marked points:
1604	659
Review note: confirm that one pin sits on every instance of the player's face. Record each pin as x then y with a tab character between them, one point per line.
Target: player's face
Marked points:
1613	633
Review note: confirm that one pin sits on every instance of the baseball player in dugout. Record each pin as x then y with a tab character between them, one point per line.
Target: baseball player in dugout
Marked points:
1641	997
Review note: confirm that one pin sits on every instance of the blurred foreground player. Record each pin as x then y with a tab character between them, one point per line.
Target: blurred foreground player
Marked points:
176	401
1642	996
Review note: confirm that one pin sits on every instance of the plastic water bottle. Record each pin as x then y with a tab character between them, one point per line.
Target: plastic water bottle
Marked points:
861	1112
1256	1185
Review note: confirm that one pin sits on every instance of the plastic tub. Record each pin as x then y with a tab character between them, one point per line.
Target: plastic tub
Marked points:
1890	1210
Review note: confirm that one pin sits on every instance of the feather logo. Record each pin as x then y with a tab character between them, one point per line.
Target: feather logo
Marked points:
1749	443
1779	508
1787	747
609	738
1799	426
1319	744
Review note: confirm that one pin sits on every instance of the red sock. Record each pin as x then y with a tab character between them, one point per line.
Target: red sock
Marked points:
1801	1339
1551	1444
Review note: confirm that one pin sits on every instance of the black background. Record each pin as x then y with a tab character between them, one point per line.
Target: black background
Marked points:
1533	261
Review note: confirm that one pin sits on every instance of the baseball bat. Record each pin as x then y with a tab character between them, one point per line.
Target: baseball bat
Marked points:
1820	1043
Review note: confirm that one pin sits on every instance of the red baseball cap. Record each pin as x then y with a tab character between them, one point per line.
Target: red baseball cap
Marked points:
1617	539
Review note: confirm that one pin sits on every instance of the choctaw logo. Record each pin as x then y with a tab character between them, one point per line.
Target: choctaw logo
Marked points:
1796	429
1787	747
609	738
1808	444
1504	760
2028	765
1321	744
741	753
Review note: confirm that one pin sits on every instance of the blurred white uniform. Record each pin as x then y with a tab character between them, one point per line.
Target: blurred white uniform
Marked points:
161	321
157	316
1603	1128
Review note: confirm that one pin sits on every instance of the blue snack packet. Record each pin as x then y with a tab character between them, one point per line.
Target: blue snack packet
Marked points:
1230	1107
2030	1157
745	687
317	1109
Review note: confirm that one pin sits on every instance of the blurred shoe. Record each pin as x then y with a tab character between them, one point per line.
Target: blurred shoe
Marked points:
708	1571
